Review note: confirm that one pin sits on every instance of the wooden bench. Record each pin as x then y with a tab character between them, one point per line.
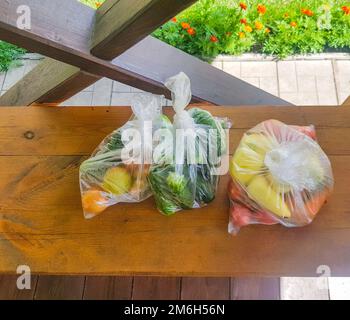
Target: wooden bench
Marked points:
42	224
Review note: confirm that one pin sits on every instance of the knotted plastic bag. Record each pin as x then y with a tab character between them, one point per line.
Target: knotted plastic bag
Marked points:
189	178
118	168
279	175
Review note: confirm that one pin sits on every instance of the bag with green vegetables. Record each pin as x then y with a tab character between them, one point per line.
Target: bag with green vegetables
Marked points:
116	173
189	178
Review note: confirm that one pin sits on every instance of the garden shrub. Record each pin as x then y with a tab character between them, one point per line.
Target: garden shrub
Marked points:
8	54
275	27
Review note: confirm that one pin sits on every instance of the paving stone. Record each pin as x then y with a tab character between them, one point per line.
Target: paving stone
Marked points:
120	87
307	83
121	99
339	288
287	76
217	64
326	91
342	67
342	78
80	99
343	82
2	78
304	288
233	68
132	89
269	84
102	93
29	65
90	88
252	80
301	98
12	76
342	96
314	68
258	69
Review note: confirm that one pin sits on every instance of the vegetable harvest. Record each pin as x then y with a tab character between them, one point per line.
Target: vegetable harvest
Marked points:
188	185
279	175
107	177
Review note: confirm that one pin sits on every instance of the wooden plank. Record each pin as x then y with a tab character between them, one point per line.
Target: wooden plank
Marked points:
156	288
122	23
255	288
62	131
49	82
67	40
9	290
108	288
42	223
205	288
59	288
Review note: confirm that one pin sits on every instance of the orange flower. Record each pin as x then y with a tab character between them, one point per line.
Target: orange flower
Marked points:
248	28
98	4
307	12
346	9
243	6
258	25
185	25
293	24
241	35
286	15
174	19
261	8
191	31
244	21
214	39
267	30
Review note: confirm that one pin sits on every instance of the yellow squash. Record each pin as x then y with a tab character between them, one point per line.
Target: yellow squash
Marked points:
263	193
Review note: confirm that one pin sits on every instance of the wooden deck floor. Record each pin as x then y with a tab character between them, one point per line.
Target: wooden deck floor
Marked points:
138	288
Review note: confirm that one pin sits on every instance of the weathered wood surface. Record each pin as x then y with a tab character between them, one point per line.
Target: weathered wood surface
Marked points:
122	23
255	288
50	82
42	223
347	102
148	288
145	66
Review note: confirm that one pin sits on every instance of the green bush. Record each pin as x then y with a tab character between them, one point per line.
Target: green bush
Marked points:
8	54
276	27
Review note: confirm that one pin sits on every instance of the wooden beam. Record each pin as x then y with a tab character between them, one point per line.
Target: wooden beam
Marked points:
122	23
67	40
346	102
50	82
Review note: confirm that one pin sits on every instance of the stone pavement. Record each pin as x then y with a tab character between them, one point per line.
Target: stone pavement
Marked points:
320	80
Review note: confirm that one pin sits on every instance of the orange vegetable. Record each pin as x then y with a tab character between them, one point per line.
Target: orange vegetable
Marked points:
94	203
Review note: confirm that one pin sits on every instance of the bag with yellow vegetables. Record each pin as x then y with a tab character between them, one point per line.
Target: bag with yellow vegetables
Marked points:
279	175
117	170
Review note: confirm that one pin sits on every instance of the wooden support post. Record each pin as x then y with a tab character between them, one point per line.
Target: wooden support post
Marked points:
136	19
50	82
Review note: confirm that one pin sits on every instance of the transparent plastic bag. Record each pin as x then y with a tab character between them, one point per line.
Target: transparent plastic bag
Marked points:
188	180
112	175
279	175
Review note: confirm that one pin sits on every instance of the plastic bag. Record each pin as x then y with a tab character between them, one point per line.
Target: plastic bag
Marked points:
188	178
113	174
279	175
